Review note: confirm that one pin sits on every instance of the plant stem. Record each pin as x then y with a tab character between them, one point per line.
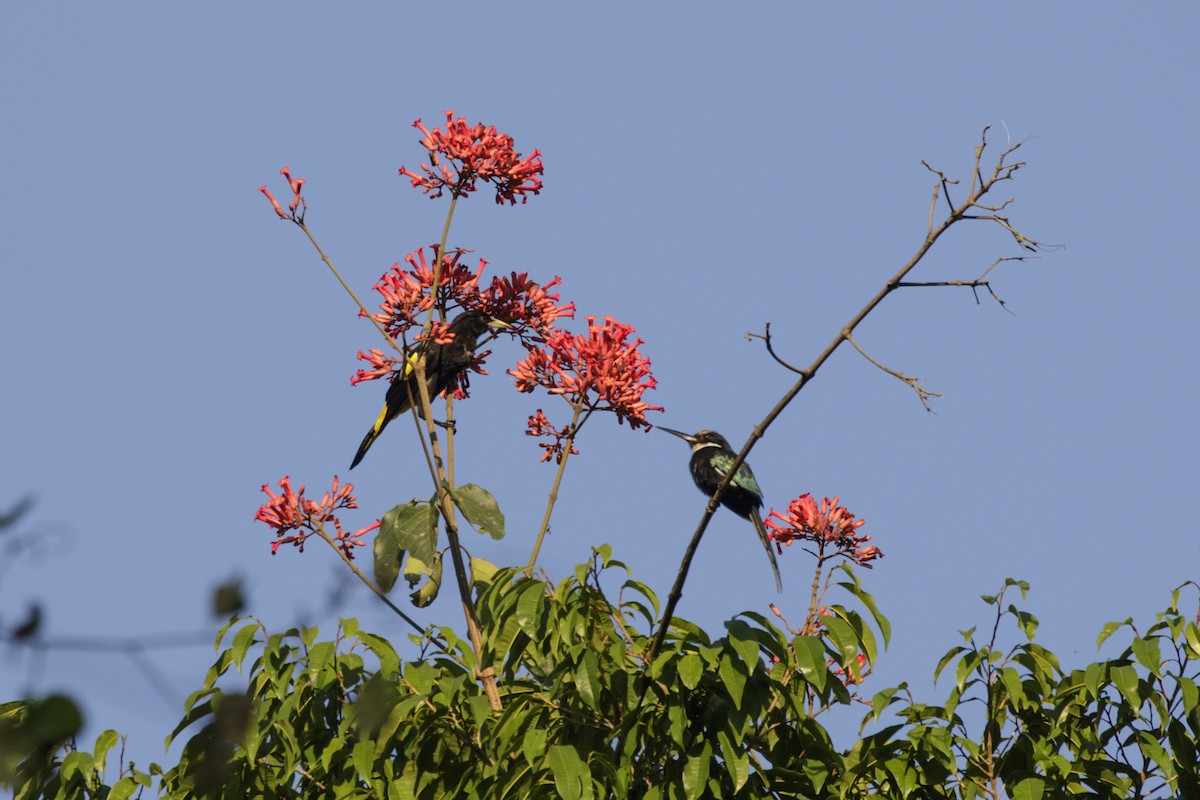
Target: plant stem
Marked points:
577	408
370	584
1003	171
349	291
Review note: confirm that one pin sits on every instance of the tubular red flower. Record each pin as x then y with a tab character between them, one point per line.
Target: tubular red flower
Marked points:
830	526
601	369
295	517
383	365
475	153
539	425
409	292
274	202
525	304
297	207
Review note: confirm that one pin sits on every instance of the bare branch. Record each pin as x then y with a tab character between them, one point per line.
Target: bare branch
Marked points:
946	183
979	187
914	383
766	337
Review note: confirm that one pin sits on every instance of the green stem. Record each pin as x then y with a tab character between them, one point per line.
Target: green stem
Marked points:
370	584
346	286
577	408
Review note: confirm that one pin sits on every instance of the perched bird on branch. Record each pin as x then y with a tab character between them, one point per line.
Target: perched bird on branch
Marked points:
711	459
443	363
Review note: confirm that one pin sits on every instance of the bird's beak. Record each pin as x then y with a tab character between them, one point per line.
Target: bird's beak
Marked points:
498	324
687	437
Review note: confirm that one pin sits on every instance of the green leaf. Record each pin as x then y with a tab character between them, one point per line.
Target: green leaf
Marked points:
842	636
414	527
1191	694
387	554
695	772
389	661
529	606
810	660
104	743
533	746
1109	629
744	643
319	657
1029	789
571	777
1192	634
587	679
52	719
483	572
951	654
363	756
1148	654
241	643
736	760
414	569
885	627
123	789
1012	682
480	508
690	669
1125	678
734	675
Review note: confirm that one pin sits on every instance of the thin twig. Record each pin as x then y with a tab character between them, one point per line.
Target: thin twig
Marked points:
766	337
913	383
576	424
980	186
370	584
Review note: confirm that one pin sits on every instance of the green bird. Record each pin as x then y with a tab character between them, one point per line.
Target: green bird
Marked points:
711	459
443	363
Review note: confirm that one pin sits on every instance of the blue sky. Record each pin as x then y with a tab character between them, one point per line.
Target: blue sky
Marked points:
169	346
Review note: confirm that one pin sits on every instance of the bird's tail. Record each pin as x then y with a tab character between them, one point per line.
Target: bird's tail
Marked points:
388	413
371	436
761	529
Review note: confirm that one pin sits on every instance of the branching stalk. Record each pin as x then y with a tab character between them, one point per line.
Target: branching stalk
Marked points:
576	424
979	187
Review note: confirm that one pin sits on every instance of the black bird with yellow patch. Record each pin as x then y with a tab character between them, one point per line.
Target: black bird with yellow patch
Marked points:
443	363
711	459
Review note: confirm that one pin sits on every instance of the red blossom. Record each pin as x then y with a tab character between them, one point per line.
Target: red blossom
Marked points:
602	370
539	425
295	517
525	304
383	365
855	675
408	292
528	308
274	202
472	154
831	527
297	207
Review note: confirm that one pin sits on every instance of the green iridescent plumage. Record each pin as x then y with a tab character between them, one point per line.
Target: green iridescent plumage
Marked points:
711	459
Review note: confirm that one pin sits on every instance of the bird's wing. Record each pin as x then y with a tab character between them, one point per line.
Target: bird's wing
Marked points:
744	478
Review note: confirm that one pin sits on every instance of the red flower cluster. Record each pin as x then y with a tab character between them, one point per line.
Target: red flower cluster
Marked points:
828	525
525	305
408	292
297	207
522	303
853	676
602	369
295	518
539	425
474	154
